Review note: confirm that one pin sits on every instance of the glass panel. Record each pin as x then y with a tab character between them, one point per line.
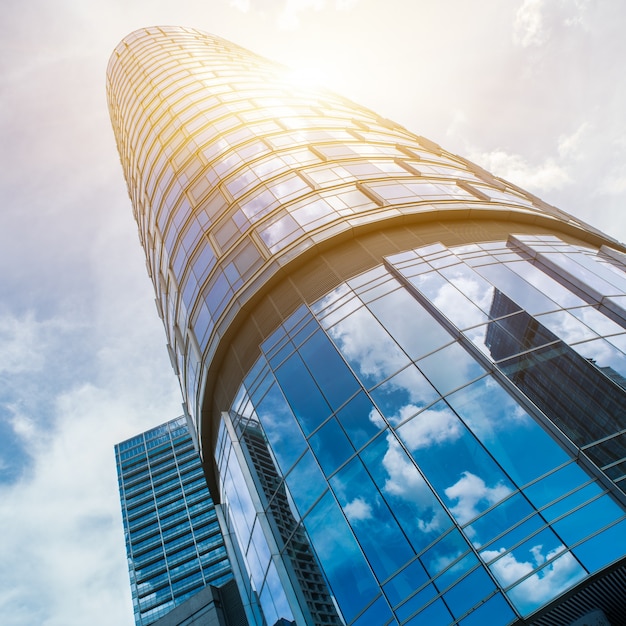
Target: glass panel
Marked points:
360	419
382	540
495	612
543	585
546	284
546	584
506	430
331	446
306	482
304	396
412	577
574	392
349	576
599	551
435	613
417	602
437	368
606	358
273	600
588	520
409	323
515	287
469	591
471	284
281	428
367	347
329	370
458	570
404	395
464	476
556	484
499	520
412	501
565	326
378	613
257	557
569	502
458	308
447	550
239	503
597	321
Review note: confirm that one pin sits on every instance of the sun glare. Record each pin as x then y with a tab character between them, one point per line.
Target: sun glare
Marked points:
307	77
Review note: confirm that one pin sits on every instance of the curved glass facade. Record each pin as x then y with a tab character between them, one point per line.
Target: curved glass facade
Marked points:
408	376
413	417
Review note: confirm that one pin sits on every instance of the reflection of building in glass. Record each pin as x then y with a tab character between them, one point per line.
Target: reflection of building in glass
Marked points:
289	535
402	370
176	554
583	399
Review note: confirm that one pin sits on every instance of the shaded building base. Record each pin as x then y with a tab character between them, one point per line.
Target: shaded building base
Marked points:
213	606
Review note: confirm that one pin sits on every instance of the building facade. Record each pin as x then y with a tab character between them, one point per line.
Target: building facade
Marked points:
174	544
406	375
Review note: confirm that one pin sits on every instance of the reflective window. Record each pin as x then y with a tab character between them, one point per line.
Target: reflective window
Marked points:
506	430
419	419
349	576
331	446
302	393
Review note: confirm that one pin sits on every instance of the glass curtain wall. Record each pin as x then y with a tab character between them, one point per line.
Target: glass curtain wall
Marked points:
447	431
173	539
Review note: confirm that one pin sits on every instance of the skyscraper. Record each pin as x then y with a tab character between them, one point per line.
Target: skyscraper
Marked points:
173	541
406	374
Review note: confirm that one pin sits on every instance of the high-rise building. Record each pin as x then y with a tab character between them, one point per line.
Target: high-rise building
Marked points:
176	553
406	375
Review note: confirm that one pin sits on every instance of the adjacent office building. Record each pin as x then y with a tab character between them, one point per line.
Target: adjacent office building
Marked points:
175	549
405	375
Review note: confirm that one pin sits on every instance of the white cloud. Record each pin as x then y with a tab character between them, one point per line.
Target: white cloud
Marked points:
406	482
358	510
62	555
376	418
430	427
23	425
529	26
364	342
75	386
579	10
36	362
469	491
544	176
23	341
570	145
453	298
540	587
61	531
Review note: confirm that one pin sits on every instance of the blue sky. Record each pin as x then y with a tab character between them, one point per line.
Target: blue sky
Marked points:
531	89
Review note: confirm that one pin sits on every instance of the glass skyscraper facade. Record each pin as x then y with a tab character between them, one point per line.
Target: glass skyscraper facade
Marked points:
173	540
407	376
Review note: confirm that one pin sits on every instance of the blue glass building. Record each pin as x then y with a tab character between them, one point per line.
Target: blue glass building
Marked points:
406	375
173	540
